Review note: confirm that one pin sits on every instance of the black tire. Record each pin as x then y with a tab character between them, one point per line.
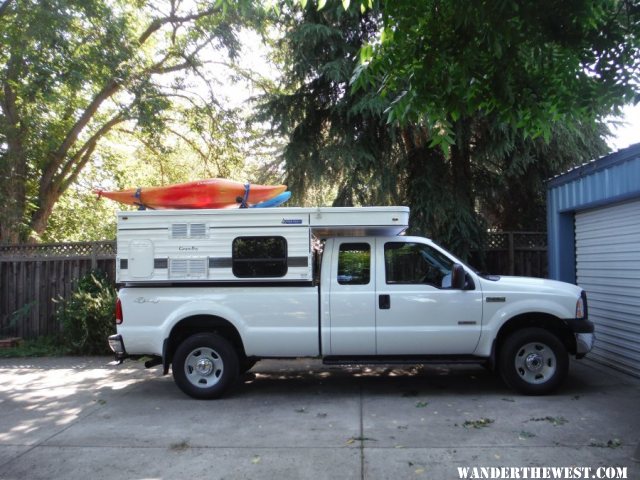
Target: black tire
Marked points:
205	366
533	361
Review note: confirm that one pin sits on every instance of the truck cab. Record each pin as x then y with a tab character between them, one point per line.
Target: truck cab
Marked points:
397	297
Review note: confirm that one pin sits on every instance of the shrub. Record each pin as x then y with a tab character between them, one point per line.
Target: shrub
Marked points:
87	316
46	346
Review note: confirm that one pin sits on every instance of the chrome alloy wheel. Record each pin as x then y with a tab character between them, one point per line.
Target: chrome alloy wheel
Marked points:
535	363
203	367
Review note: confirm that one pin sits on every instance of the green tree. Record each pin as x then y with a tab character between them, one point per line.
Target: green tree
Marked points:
528	63
337	142
348	138
532	68
72	73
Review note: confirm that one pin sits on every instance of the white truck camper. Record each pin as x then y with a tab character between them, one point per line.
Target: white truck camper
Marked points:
211	292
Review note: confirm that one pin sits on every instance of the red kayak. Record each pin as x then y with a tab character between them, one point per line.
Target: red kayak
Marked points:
210	193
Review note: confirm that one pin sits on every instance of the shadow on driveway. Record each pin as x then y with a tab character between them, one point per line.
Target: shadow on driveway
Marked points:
82	418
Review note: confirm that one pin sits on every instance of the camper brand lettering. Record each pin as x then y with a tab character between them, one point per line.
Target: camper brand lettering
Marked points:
292	221
188	249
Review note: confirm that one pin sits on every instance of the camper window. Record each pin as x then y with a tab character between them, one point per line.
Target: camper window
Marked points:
259	257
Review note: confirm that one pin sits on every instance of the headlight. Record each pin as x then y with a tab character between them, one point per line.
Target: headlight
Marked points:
580	310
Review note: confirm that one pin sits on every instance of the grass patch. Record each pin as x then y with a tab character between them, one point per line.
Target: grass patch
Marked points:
555	421
38	347
615	443
180	446
483	422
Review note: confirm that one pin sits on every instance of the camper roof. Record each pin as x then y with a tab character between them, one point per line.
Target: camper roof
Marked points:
323	221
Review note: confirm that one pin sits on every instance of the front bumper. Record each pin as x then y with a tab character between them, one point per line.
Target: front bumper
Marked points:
579	325
117	345
584	343
582	330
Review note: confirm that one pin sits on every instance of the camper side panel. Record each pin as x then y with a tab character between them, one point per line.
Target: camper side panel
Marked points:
199	248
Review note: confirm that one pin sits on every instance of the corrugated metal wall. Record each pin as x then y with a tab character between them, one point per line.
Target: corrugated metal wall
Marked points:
593	220
608	268
611	179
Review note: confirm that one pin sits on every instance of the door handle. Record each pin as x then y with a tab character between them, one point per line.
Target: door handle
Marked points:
384	302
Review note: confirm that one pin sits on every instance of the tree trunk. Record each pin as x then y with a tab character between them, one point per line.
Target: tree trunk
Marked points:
13	205
40	217
462	187
13	175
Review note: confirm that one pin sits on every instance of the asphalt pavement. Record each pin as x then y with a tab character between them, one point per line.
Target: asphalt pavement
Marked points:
81	418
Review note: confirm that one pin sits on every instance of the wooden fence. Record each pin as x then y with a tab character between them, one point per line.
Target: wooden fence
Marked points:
513	253
33	277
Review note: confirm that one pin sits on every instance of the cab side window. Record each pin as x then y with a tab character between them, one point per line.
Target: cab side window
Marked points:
415	263
354	264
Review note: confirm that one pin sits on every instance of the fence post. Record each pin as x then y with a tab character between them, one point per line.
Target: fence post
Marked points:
512	257
94	255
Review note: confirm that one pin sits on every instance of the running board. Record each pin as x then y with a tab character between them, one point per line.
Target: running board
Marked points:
402	360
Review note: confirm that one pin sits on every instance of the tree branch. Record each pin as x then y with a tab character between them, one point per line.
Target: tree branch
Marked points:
205	103
72	136
158	23
189	61
192	144
80	165
158	156
159	70
4	6
109	90
75	163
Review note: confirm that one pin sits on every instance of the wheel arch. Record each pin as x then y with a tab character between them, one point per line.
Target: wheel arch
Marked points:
545	321
195	324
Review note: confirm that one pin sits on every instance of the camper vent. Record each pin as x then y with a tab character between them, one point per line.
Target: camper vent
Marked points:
198	230
179	230
188	230
188	268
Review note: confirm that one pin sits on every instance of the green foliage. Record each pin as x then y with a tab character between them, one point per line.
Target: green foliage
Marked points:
337	142
510	171
16	317
79	78
530	64
50	346
461	164
79	216
87	316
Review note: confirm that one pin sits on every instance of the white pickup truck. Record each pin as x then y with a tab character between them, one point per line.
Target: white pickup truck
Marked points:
209	293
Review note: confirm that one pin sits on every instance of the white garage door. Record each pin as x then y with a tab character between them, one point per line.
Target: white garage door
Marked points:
608	268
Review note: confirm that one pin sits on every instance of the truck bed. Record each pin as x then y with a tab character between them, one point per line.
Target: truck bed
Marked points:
274	321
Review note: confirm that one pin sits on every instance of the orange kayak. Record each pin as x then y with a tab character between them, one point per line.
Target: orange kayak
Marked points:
210	193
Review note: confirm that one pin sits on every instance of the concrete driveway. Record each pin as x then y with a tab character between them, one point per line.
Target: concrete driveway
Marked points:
81	418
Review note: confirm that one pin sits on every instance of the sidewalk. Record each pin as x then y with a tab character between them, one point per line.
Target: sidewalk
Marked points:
79	418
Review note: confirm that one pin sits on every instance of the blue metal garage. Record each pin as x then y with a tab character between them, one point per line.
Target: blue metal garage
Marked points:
593	220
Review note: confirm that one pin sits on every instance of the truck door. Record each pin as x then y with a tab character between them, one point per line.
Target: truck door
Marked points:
352	299
417	311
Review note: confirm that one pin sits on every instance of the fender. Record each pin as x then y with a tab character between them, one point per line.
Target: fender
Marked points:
493	321
204	308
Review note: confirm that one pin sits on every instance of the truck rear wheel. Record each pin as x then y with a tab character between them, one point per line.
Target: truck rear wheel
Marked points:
533	361
205	366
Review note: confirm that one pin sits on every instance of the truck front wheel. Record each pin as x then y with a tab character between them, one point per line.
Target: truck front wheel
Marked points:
533	361
205	365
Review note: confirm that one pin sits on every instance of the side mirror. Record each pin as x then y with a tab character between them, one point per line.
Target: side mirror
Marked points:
458	277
